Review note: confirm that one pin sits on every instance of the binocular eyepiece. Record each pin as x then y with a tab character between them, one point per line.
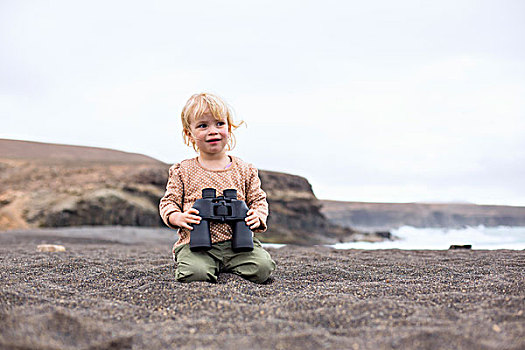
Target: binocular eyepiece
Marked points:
212	193
227	209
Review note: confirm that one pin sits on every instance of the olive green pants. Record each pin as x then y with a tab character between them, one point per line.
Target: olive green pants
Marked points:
255	266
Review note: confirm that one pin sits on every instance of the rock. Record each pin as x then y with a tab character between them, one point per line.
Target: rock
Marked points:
372	237
462	246
384	234
51	248
46	185
100	207
295	213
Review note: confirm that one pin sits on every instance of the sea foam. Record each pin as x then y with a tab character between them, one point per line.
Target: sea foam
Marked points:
480	237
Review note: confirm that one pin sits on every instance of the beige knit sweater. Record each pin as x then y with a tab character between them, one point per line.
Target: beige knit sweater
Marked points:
188	178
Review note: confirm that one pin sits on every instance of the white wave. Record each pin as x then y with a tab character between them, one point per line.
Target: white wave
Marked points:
480	237
273	245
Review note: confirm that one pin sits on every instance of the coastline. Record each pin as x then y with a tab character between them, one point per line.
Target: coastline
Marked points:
119	292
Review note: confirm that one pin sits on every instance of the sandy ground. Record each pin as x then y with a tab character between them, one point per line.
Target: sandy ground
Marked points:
114	289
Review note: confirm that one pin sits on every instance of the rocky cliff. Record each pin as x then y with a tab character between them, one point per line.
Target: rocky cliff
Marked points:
295	212
386	216
48	185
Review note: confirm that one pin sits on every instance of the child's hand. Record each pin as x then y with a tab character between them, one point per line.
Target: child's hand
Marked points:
252	220
184	220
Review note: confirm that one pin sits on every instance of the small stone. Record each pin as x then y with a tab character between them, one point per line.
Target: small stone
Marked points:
460	246
496	328
51	248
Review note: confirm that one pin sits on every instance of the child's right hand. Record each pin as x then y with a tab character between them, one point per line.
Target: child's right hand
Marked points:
183	220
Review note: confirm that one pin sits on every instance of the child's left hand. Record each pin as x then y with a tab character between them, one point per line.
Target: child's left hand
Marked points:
252	220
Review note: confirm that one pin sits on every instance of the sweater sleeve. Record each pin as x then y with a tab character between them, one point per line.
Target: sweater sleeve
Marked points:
256	198
172	201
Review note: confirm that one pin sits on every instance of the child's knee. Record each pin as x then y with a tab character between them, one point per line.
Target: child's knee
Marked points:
195	273
266	267
258	270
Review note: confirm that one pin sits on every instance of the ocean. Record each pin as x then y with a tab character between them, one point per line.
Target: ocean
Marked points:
480	237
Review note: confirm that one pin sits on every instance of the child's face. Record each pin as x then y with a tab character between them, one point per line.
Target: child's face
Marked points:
210	135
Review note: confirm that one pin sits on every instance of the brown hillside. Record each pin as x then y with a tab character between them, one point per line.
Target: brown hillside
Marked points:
47	152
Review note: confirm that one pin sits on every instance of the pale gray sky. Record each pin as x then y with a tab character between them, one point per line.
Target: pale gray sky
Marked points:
388	101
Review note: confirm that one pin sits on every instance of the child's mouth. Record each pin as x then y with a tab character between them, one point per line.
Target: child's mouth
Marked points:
213	140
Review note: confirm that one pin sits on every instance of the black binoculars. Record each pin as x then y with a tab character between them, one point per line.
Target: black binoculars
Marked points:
227	209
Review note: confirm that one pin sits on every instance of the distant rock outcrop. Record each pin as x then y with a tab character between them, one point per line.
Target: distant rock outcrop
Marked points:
387	216
295	212
47	185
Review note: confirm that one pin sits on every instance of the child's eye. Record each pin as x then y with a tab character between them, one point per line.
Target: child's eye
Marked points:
200	126
221	123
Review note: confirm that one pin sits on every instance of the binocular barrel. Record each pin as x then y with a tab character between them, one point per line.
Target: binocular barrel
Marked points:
226	209
200	239
242	240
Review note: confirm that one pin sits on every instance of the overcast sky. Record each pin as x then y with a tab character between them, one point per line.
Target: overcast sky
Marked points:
389	101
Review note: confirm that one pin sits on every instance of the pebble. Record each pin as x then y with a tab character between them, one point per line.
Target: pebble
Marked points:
51	248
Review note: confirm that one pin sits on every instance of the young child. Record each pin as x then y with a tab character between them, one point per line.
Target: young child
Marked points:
207	125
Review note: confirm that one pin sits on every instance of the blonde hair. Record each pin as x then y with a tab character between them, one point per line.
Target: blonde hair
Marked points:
195	108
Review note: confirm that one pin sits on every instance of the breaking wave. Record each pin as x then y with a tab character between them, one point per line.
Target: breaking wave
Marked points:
480	237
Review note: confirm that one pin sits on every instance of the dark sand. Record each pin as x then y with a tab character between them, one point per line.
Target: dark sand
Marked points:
120	293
